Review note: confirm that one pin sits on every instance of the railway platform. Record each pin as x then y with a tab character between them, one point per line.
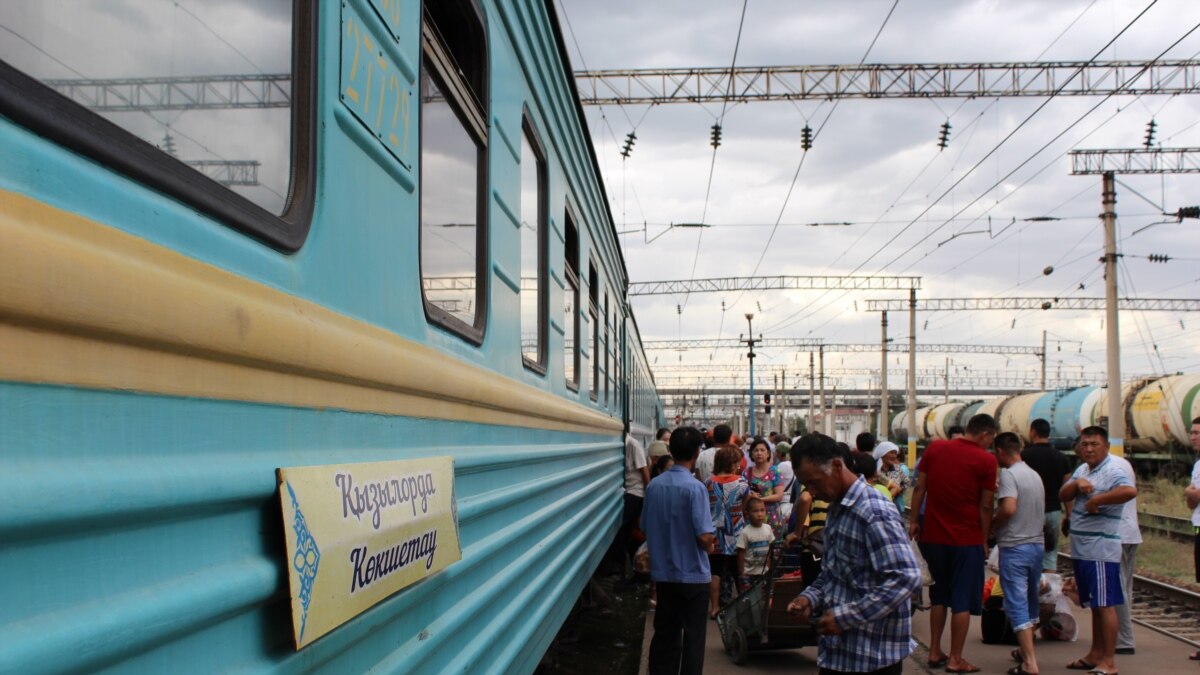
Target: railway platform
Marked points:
1156	654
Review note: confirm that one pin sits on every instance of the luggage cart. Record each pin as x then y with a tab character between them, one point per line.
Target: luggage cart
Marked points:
758	619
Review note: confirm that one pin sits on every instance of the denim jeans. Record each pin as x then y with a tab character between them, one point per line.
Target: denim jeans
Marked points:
1020	576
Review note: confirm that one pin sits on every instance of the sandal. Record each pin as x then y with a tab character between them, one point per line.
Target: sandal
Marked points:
968	669
1018	670
1194	656
1080	664
939	663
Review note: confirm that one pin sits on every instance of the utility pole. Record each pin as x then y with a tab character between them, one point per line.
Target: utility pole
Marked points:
750	341
832	424
782	395
883	373
824	412
947	392
769	420
1044	355
809	427
912	379
1116	421
1109	162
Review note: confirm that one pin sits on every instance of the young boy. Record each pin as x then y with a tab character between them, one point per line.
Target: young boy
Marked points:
754	541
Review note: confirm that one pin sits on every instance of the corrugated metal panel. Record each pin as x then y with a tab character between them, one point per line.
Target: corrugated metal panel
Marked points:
147	536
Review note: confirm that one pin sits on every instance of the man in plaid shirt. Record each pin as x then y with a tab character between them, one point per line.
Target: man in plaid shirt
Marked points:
863	595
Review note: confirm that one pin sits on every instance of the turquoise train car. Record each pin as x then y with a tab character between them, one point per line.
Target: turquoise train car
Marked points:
256	234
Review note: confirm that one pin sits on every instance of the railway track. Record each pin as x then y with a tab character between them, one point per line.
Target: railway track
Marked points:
1174	527
1161	607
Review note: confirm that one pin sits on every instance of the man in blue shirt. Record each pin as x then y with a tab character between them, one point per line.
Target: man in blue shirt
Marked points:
863	594
1098	491
679	533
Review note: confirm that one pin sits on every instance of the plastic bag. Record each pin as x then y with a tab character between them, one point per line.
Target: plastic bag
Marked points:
1061	624
993	561
641	559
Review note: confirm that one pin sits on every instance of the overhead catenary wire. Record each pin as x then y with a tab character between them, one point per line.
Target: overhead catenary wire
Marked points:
800	164
712	165
788	320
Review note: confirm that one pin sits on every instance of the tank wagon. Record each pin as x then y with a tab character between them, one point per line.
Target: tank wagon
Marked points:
1158	413
421	265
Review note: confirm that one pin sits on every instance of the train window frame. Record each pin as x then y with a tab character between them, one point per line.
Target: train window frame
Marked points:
438	62
594	318
35	106
607	352
571	290
529	132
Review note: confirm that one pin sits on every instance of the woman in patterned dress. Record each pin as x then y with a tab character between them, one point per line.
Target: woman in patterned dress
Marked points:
766	483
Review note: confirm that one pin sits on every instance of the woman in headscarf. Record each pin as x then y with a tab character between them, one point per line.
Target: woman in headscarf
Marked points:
887	455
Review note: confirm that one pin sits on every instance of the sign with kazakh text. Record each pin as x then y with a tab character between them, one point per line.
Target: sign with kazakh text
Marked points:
357	533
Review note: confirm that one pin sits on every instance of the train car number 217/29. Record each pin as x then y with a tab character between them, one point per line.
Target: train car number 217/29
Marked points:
376	85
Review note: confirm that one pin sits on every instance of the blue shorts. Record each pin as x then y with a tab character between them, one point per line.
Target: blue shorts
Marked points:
1099	583
1020	577
957	573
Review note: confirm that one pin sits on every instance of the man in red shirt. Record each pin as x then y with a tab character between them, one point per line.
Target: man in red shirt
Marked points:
958	478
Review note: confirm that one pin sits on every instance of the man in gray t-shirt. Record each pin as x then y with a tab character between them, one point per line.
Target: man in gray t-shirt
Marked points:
1017	525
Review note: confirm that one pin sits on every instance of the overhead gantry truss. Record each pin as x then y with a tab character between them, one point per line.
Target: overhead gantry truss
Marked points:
796	373
1135	161
1011	304
178	93
701	85
903	80
243	172
784	282
813	345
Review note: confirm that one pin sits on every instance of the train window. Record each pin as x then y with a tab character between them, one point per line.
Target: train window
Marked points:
210	103
594	335
533	251
571	304
453	176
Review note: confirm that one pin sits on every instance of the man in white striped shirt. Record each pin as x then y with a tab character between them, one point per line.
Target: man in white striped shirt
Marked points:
1098	490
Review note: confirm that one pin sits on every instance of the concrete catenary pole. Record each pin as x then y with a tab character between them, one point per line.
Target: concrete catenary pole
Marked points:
811	398
883	384
1116	421
821	376
912	378
1044	358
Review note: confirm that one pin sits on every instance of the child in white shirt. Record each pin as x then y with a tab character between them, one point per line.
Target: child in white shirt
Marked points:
754	541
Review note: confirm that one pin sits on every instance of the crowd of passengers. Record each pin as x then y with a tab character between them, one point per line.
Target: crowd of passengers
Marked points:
712	507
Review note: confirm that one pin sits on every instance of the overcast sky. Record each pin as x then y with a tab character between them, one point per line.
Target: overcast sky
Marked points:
876	165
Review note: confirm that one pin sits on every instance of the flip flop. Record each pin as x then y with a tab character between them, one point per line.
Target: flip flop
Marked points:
1195	656
969	669
1018	670
939	663
1080	664
1101	671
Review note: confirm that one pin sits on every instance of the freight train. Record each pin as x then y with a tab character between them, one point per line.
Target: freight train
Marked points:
1158	414
421	270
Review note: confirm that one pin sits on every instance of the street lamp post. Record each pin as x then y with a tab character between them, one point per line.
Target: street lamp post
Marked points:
750	342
